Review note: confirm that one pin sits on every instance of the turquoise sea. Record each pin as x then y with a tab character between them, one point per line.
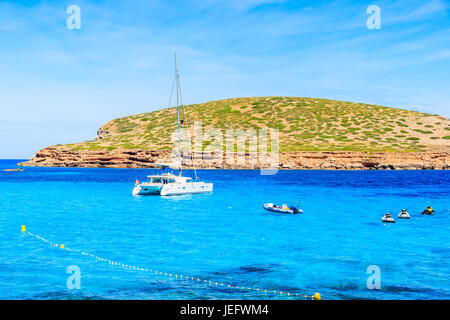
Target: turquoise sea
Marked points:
226	236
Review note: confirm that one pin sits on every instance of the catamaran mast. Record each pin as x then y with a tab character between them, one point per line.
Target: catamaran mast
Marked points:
177	80
179	105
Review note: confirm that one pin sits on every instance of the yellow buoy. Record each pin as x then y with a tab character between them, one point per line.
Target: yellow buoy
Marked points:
317	296
24	229
62	246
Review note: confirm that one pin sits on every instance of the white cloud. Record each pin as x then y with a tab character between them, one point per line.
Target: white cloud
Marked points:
412	11
236	5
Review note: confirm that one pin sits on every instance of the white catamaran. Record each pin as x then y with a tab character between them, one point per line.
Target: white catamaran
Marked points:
166	183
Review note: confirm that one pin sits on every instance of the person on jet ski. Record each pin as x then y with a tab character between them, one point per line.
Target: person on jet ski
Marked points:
428	211
404	214
388	218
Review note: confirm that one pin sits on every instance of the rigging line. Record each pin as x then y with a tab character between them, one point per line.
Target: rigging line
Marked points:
187	126
171	92
189	136
191	144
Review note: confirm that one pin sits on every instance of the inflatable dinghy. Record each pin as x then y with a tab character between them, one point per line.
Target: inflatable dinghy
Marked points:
283	209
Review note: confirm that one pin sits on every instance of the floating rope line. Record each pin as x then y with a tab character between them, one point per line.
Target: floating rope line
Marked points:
316	296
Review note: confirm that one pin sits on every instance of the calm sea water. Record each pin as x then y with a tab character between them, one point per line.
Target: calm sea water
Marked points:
225	236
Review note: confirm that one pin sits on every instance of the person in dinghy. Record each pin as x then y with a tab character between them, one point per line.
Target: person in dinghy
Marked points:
283	209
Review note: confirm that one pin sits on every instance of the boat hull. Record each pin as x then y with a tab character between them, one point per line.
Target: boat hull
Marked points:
172	189
187	188
143	190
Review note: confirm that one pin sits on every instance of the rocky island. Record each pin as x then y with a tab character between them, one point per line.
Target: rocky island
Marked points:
311	134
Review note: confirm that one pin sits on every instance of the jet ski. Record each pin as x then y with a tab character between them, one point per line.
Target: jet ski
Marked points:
428	211
387	218
404	214
283	209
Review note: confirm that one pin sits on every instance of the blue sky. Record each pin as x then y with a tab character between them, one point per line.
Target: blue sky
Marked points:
59	85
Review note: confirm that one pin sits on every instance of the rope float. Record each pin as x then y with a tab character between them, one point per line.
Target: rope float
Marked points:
316	296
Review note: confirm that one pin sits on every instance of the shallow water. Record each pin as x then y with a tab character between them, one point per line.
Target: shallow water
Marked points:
225	236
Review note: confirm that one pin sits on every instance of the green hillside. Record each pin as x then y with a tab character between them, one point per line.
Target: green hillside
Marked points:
304	124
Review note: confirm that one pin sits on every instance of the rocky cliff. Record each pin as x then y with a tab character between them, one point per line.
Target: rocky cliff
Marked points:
344	160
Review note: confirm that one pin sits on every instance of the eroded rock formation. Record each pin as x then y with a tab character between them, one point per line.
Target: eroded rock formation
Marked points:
339	160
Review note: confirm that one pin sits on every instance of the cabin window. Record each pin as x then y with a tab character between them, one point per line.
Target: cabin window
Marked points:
156	180
188	180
